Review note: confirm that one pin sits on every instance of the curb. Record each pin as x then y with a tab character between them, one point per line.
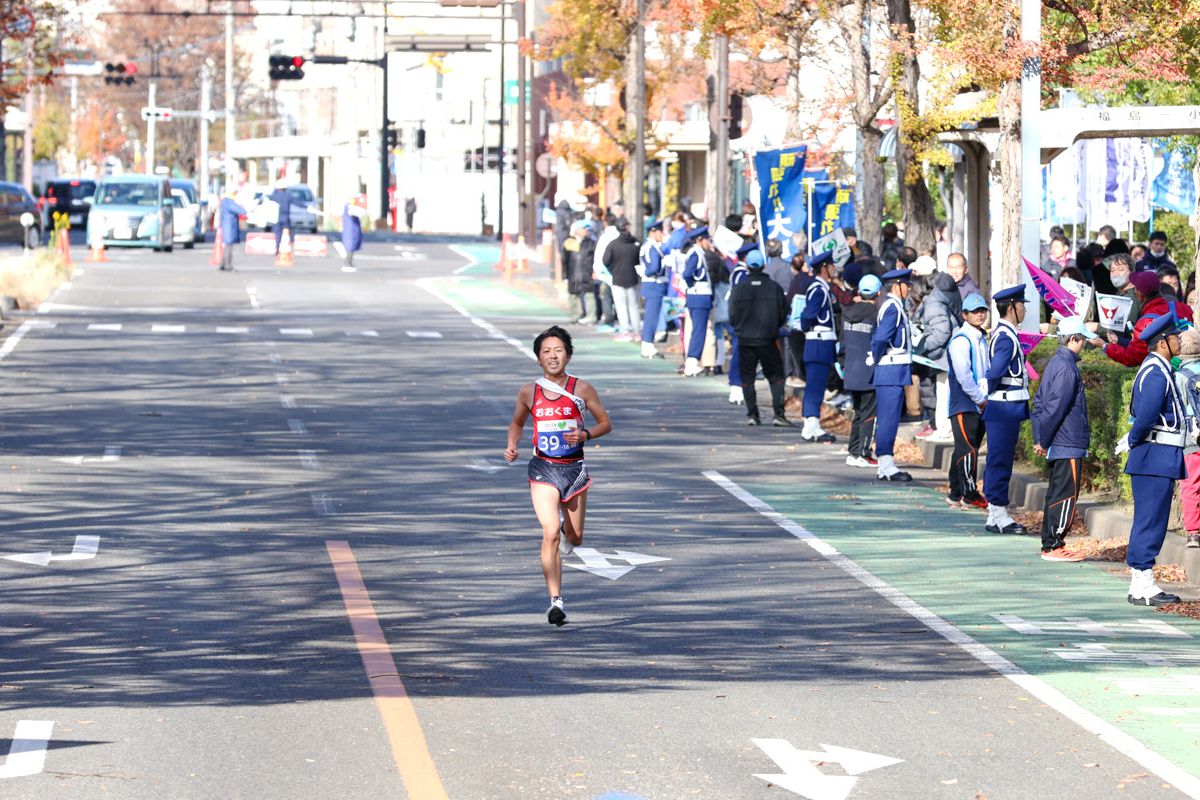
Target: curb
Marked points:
1103	520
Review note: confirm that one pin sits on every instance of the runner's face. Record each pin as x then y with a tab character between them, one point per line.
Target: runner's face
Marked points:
553	356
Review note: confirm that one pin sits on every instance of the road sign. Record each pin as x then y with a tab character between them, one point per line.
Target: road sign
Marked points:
157	112
546	165
801	776
512	95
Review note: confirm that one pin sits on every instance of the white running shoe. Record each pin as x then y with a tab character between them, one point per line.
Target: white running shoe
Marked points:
857	461
565	548
556	614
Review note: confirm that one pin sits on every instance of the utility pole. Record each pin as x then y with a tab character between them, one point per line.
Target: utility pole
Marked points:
73	134
385	182
639	110
526	209
720	195
3	132
150	123
1031	149
205	110
231	172
27	141
500	159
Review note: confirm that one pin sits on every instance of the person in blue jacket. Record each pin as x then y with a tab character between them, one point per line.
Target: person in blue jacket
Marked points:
1007	408
1062	435
967	353
231	231
1155	443
352	237
699	300
655	278
891	356
820	345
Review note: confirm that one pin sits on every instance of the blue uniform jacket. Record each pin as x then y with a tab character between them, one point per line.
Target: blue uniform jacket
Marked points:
231	233
676	241
655	272
1156	403
695	275
1007	361
817	318
1060	419
891	330
352	237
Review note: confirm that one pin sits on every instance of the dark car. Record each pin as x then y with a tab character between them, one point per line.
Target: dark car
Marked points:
69	196
15	201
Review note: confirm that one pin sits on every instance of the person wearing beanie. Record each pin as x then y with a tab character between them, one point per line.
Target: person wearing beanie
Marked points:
1155	445
1188	378
1132	352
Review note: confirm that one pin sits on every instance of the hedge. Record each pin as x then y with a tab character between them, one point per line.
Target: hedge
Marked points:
1107	386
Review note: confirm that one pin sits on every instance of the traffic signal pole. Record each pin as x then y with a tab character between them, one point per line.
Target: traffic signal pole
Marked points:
385	182
150	127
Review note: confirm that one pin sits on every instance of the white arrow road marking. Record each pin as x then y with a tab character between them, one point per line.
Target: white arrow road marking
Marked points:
309	460
424	335
800	774
85	547
111	453
367	333
27	755
597	563
253	295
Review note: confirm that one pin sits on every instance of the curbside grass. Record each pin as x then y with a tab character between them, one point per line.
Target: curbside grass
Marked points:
32	277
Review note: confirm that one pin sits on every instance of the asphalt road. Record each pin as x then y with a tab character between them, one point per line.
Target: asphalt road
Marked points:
247	447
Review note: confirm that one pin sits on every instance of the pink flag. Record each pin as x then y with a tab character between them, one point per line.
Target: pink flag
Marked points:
1028	342
1058	298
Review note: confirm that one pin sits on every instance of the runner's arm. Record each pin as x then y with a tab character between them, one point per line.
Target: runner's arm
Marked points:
517	425
603	423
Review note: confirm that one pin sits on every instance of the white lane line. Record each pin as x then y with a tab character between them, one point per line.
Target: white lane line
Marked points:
112	453
424	335
253	294
1127	745
287	401
296	331
281	379
12	341
27	754
168	328
231	329
297	426
105	326
322	505
471	260
491	329
309	460
372	334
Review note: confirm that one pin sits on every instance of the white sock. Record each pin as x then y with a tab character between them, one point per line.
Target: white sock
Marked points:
887	465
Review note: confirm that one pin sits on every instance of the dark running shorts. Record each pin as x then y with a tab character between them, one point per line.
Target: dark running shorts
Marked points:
570	479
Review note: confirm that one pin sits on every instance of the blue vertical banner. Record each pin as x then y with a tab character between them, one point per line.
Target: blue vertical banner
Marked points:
781	189
833	207
1175	187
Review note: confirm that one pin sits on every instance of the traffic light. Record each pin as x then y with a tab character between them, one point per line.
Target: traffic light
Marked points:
287	68
735	116
393	138
119	74
420	138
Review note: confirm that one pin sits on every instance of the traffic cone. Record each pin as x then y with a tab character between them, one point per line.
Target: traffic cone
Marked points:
285	257
64	246
96	255
218	253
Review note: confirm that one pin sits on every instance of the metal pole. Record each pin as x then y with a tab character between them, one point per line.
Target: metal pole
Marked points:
230	126
1031	153
3	131
205	108
639	111
721	190
522	112
27	141
384	155
150	127
500	159
73	134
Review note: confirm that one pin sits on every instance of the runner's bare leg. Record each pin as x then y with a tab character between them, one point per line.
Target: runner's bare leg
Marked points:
573	511
545	506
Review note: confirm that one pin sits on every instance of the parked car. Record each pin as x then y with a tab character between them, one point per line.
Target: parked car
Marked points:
15	201
264	211
69	196
133	211
185	218
193	197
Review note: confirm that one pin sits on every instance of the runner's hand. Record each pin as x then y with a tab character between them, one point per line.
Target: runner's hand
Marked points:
510	454
575	436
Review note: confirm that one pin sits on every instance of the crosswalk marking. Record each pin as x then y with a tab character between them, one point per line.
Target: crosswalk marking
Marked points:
104	326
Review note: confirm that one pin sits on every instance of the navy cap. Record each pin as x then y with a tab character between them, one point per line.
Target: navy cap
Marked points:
1163	326
747	247
1012	294
817	259
903	275
699	233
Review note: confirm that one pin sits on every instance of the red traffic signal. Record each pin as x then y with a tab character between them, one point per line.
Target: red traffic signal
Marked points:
119	74
286	68
130	68
297	61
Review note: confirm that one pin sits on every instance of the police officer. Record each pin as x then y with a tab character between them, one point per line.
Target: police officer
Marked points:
699	300
1155	460
891	355
654	289
820	345
967	353
1007	407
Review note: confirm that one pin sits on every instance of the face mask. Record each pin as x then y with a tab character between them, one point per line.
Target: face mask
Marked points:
1176	362
1120	280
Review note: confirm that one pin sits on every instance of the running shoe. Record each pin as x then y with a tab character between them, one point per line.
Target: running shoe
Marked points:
752	421
1193	540
824	437
344	269
794	383
871	461
925	432
565	548
782	422
975	502
1011	529
857	461
555	615
1061	554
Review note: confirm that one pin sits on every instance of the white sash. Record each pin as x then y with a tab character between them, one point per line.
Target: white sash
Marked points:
550	386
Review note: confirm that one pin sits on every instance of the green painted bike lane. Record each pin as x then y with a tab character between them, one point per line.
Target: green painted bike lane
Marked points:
1067	624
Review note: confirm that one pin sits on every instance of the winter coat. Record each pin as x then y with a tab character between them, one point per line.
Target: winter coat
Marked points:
779	271
858	323
283	199
756	309
230	211
1134	353
621	258
966	286
1060	418
563	217
352	237
581	280
1153	262
938	318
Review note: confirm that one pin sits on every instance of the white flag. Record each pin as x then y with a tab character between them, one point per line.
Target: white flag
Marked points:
1113	311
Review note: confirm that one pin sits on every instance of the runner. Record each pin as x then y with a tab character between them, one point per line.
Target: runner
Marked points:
558	476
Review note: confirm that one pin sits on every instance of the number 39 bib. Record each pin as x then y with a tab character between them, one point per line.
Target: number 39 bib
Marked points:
553	419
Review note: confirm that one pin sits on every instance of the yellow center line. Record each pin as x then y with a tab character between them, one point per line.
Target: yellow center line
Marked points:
409	748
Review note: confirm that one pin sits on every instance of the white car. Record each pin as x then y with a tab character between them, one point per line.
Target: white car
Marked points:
185	215
264	212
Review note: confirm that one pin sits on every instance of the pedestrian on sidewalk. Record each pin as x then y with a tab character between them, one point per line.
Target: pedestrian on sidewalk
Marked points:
604	278
1062	435
891	356
757	311
1188	378
1007	408
231	232
820	346
858	323
580	252
352	237
1155	444
655	279
410	211
941	317
621	260
967	378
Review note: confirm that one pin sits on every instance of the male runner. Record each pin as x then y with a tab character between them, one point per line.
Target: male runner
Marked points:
558	476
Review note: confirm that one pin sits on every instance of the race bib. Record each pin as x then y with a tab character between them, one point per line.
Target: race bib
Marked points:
551	439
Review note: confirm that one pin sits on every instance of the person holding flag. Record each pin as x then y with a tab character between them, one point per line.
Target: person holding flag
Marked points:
820	345
891	356
1007	407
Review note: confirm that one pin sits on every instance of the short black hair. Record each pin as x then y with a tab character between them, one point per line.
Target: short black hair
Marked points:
554	332
907	256
1002	306
1159	235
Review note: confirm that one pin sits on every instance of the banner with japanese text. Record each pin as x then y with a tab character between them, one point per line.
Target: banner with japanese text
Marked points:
781	189
832	209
